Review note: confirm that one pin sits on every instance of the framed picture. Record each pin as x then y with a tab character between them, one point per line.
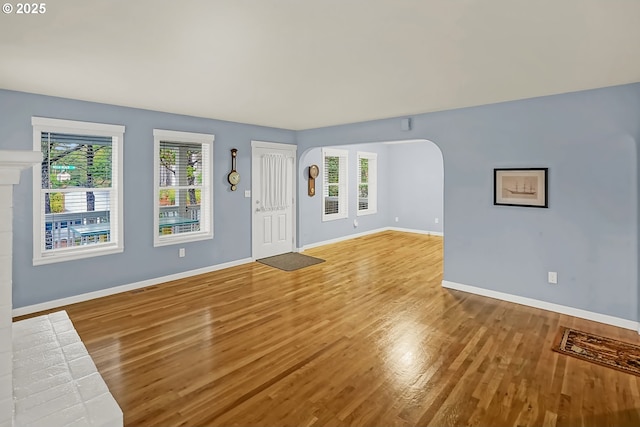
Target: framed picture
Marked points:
520	187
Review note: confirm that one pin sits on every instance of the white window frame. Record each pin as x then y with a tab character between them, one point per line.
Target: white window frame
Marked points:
116	243
373	184
206	194
343	184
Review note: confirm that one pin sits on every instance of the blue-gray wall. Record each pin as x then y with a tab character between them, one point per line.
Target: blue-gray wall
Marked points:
140	260
589	234
416	186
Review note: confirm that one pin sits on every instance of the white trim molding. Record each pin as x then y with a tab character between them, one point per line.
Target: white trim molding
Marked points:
12	162
179	136
123	288
343	183
43	255
274	145
549	306
178	140
372	183
73	126
410	230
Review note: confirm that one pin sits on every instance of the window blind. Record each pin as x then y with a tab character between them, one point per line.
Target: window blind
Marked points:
181	184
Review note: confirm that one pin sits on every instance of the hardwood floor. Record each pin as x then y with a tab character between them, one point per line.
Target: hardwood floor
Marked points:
367	338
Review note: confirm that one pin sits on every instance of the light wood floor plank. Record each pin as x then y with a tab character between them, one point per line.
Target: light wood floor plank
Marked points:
368	338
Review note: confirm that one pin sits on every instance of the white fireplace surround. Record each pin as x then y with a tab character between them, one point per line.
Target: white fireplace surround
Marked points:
11	165
30	392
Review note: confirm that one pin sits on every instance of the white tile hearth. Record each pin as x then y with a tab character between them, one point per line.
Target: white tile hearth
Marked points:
55	382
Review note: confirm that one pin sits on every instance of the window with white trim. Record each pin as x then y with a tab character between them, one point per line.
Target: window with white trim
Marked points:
367	183
335	190
77	190
183	182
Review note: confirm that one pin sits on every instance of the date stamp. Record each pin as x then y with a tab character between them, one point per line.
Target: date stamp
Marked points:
24	8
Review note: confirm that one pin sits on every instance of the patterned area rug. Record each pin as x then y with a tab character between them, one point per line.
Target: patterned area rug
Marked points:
290	261
615	354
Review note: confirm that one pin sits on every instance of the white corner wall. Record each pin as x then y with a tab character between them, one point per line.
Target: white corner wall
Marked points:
6	349
11	165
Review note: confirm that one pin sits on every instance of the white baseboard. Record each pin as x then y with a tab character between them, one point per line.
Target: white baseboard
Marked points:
342	239
562	309
366	233
123	288
410	230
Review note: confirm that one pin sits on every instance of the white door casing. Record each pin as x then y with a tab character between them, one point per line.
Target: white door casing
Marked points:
273	231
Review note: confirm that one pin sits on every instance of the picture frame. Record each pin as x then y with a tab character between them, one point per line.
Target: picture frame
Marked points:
526	187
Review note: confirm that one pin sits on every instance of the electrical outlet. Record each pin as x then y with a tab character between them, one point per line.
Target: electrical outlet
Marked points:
553	277
181	252
437	220
247	193
397	219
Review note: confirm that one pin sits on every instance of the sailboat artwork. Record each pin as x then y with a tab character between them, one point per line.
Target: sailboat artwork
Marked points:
525	189
520	187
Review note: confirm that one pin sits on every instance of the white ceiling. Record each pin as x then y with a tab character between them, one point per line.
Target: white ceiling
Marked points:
302	64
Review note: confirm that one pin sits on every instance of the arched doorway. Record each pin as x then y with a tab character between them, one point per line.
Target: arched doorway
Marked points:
410	185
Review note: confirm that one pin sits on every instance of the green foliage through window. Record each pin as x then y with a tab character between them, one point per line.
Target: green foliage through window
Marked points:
74	161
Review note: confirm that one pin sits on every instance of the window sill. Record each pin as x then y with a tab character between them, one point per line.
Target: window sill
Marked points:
368	212
333	218
177	239
81	254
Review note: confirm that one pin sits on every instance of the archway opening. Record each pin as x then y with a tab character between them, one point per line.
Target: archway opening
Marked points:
410	192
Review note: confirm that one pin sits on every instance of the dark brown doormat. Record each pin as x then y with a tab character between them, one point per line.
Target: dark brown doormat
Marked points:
615	354
290	261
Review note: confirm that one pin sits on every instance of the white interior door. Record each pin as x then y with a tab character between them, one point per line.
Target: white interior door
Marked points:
273	174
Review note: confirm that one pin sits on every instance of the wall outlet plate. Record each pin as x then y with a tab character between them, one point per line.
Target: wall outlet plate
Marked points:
553	277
